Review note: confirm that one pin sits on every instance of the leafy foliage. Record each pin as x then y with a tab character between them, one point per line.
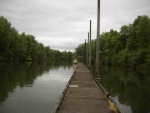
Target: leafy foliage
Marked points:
130	47
21	47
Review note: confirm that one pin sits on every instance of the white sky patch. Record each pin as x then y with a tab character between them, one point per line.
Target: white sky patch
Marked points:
64	24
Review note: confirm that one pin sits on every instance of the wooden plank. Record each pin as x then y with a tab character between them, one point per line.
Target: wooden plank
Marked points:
86	98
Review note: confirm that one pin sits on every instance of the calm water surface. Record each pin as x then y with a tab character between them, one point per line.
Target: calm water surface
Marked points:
32	87
129	88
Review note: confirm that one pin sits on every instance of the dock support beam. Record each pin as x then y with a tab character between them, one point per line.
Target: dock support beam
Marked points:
85	52
97	41
90	45
88	48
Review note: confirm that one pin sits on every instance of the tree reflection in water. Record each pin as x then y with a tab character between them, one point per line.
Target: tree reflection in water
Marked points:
131	87
13	75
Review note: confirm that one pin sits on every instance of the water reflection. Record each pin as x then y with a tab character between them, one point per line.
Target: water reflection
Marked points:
29	85
130	88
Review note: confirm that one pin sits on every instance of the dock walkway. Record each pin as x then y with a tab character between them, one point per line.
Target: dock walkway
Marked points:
83	95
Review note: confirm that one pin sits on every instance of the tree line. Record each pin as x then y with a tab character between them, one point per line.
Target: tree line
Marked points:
129	47
24	47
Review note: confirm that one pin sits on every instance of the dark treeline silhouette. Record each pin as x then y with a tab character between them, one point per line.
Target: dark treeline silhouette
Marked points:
23	47
130	47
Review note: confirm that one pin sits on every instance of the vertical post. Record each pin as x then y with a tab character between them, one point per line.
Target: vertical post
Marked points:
97	41
90	45
82	55
85	52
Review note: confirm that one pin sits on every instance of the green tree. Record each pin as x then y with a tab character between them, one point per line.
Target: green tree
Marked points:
5	28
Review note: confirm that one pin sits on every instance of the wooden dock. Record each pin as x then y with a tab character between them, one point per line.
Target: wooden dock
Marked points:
84	95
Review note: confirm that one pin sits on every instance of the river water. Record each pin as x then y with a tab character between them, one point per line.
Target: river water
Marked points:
129	88
36	87
32	87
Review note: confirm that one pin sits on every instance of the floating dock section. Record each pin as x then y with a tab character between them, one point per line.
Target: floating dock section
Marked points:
84	95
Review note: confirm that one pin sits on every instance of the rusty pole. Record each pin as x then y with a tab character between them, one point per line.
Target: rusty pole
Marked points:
97	41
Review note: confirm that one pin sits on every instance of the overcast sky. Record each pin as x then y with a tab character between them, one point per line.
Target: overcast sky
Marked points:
64	24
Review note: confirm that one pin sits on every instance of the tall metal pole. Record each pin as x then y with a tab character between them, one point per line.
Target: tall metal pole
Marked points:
97	41
85	52
90	45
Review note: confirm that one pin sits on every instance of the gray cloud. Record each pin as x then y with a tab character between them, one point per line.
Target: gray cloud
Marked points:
63	24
